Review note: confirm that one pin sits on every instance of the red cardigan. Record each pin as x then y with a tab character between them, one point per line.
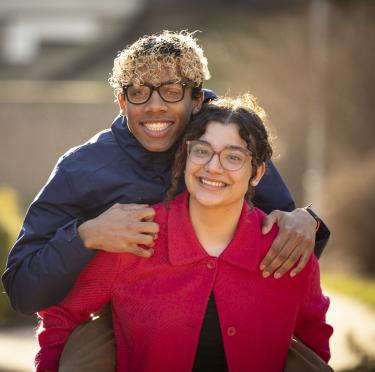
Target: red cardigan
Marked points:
158	304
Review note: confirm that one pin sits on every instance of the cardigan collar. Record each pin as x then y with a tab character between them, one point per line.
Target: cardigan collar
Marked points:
184	247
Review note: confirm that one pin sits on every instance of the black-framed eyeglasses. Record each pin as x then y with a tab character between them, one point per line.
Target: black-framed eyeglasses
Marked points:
169	91
231	158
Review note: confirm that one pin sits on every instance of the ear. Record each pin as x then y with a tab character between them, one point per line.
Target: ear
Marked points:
259	174
121	103
197	103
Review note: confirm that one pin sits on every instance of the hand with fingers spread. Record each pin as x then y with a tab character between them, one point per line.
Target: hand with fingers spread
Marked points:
293	245
122	228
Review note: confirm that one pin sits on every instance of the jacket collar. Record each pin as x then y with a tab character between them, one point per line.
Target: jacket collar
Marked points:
184	247
130	145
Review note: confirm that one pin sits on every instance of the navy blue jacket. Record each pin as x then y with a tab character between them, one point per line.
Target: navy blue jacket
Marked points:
110	168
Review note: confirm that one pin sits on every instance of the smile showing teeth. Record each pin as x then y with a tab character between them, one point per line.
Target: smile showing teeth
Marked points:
212	183
157	127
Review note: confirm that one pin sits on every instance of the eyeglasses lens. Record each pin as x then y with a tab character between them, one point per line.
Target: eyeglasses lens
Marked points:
171	92
230	159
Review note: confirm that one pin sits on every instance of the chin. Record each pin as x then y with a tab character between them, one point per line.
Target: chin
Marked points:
210	201
156	147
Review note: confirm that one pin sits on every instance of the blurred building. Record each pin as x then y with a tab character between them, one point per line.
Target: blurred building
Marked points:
53	34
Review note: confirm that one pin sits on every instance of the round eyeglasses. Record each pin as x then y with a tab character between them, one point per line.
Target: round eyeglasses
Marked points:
231	158
169	91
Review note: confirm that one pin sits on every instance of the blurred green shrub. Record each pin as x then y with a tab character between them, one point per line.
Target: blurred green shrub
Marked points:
10	224
362	289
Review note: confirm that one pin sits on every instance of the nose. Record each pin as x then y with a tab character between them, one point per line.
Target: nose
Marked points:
214	165
155	103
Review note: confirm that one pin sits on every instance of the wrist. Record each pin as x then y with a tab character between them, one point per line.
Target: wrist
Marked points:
85	234
313	215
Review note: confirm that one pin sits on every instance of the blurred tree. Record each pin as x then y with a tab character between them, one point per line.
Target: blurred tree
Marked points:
350	178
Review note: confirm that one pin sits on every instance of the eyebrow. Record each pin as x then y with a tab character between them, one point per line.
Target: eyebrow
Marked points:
234	147
175	81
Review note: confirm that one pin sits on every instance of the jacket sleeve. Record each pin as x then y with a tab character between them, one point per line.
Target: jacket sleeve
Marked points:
48	255
91	291
311	326
272	193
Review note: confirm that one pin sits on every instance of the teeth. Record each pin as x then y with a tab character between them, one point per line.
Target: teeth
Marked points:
213	183
157	127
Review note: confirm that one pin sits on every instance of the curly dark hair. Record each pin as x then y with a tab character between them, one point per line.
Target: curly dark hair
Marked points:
243	111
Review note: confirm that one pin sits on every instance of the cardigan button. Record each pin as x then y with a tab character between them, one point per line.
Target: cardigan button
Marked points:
211	264
231	331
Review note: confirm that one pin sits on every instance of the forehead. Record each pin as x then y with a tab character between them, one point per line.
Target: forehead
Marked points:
220	135
156	73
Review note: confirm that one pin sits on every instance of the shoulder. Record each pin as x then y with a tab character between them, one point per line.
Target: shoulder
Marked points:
259	215
264	241
94	165
177	204
93	154
84	169
77	165
161	216
175	208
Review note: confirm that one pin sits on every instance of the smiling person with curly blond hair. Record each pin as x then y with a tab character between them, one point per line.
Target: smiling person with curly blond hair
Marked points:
97	197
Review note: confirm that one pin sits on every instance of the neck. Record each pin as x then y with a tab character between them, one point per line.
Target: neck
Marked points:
214	226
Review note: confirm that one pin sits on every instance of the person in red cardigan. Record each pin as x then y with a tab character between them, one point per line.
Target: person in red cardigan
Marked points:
200	303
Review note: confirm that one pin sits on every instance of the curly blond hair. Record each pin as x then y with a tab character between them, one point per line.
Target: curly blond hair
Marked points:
177	53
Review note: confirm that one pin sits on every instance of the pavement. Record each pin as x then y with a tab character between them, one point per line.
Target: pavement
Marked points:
18	347
353	322
354	331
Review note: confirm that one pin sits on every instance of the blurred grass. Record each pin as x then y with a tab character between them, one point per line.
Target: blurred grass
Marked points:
362	289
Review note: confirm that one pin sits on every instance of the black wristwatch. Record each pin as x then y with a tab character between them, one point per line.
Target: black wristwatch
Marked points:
313	214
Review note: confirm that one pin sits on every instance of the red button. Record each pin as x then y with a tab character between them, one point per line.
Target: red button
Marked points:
211	264
231	331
